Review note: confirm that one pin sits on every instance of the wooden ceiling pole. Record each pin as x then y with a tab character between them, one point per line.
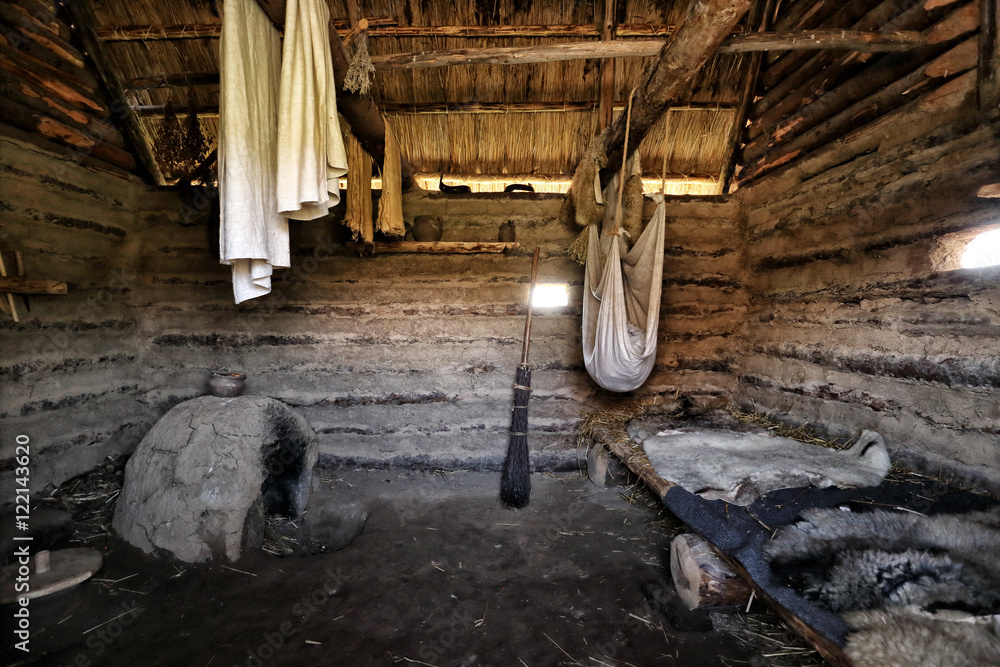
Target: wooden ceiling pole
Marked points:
359	110
989	57
705	26
607	99
83	17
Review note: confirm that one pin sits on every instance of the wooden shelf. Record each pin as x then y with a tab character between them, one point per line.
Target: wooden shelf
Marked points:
443	247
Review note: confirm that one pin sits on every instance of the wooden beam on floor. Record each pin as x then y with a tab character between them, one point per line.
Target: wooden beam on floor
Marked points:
360	110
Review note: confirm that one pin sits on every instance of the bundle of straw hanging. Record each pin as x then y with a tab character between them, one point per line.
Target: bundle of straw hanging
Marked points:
358	216
390	204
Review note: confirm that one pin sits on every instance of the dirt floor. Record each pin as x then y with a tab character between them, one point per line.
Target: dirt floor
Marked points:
440	575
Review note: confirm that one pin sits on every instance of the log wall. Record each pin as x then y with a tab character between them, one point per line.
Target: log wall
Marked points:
854	322
410	358
69	373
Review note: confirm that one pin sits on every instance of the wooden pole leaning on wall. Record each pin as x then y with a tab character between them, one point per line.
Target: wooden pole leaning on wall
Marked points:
697	38
360	110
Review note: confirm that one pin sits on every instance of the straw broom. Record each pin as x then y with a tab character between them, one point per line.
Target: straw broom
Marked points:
515	483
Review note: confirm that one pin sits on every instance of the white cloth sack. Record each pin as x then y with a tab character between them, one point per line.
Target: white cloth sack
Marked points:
253	238
621	300
311	155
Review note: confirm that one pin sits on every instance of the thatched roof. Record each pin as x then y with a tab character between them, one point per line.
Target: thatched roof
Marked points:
505	145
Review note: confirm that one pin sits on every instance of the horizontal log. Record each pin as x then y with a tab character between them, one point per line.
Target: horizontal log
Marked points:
31	53
158	110
443	247
43	15
881	89
25	28
786	92
29	120
763	41
67	90
40	101
155	32
15	285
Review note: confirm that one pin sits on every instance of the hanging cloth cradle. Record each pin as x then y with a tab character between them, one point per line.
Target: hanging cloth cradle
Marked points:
621	300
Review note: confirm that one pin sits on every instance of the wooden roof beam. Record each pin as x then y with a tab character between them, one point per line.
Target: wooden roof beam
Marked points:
360	110
697	39
867	42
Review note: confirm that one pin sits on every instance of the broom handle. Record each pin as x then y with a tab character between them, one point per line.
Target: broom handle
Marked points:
527	322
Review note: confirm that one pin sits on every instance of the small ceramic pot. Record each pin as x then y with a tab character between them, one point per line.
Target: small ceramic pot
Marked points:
226	385
427	228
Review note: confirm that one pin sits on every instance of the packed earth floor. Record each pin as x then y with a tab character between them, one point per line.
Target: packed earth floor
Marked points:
439	575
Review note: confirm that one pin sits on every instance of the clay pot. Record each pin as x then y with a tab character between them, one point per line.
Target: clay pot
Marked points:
226	385
427	228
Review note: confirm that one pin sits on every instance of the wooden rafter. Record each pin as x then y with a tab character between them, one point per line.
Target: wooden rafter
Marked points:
743	43
425	108
607	96
83	17
386	27
705	26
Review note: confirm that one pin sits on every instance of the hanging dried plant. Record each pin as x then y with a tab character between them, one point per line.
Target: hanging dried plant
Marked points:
194	140
169	144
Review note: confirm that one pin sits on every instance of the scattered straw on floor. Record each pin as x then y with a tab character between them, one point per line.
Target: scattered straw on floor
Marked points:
90	499
769	637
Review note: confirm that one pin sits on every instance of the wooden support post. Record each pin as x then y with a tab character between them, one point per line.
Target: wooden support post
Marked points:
8	297
704	28
606	109
360	110
83	17
701	578
989	58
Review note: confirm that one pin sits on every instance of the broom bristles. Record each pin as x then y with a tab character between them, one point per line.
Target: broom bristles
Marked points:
515	483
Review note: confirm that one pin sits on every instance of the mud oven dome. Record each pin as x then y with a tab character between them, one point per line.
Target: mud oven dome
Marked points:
202	481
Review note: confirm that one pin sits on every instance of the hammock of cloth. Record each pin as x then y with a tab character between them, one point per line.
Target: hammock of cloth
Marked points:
621	299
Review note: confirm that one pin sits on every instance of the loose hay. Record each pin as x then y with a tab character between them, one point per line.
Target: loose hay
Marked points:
90	499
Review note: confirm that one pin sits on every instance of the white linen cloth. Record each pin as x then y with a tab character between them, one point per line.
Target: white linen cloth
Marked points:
311	155
621	300
253	238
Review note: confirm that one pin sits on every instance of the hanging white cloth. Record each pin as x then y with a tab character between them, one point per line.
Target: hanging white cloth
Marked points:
621	300
253	238
311	155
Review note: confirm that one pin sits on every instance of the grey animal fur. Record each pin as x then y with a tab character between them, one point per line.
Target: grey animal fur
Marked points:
885	571
909	638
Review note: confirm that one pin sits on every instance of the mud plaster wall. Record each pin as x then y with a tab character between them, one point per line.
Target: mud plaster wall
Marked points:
70	373
852	323
410	358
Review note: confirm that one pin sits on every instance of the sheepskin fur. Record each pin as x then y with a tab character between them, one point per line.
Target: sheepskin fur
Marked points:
587	210
917	590
909	638
632	201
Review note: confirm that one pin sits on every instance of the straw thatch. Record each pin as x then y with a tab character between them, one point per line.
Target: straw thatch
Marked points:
482	149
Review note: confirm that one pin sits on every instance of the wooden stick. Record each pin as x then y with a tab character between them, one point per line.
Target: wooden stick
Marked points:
8	296
527	320
29	286
606	107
